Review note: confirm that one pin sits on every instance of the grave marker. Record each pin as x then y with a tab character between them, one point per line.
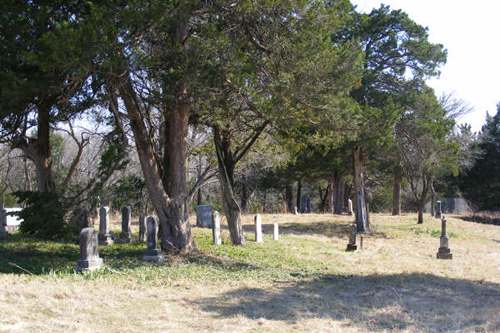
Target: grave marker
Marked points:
258	229
89	255
153	254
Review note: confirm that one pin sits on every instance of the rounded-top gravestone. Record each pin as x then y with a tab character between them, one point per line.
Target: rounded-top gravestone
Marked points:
204	216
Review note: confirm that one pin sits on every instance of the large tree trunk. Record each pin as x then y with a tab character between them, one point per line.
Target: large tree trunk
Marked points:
360	210
42	158
176	232
433	201
396	190
330	198
421	206
245	196
289	198
226	165
339	195
299	195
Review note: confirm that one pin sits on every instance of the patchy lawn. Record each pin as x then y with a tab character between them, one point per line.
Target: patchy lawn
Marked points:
303	282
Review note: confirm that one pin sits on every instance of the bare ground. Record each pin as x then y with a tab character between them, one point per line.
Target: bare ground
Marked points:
394	284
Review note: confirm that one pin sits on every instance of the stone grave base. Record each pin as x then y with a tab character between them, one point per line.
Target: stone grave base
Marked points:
105	240
351	247
444	253
89	265
154	256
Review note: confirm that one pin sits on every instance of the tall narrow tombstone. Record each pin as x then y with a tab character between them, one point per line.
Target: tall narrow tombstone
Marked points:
351	246
349	207
296	210
204	216
105	237
126	234
439	209
443	251
142	228
3	223
276	232
258	229
89	255
153	254
216	233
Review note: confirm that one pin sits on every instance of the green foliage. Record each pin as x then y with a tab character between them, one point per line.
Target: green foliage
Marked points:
127	191
43	215
481	184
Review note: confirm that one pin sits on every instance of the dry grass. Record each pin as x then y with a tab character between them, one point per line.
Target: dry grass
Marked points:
304	282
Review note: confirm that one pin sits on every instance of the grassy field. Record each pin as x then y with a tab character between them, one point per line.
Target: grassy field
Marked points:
303	282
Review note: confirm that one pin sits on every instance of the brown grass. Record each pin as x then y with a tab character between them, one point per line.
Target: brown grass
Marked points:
394	284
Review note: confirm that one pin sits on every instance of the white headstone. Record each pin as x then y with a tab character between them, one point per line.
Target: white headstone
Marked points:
276	232
349	207
258	229
216	236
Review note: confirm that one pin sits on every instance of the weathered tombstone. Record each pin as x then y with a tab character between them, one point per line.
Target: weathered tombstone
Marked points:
126	234
216	235
153	254
258	229
444	251
204	216
105	237
439	209
142	228
276	232
351	246
296	210
3	223
349	207
89	255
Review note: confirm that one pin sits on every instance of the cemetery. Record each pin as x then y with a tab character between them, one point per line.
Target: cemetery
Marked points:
248	166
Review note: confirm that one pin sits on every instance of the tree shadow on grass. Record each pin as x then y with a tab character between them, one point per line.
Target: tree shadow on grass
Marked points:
414	302
24	255
325	228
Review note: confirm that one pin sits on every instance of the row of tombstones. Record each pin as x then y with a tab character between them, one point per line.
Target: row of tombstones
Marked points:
90	239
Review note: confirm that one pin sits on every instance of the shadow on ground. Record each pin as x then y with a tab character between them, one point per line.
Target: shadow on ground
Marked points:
481	218
321	228
414	302
26	255
23	255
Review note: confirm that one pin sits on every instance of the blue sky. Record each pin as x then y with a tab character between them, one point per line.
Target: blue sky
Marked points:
470	31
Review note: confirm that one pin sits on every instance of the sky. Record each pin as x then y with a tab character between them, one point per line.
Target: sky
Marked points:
470	31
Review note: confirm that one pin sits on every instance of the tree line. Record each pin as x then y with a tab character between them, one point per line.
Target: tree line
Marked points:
162	102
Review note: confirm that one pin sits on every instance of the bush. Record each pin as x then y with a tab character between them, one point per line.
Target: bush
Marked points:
43	215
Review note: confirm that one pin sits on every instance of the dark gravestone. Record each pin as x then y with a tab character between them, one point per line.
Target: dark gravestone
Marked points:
204	216
351	246
153	254
126	234
444	251
105	237
142	228
3	223
89	255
